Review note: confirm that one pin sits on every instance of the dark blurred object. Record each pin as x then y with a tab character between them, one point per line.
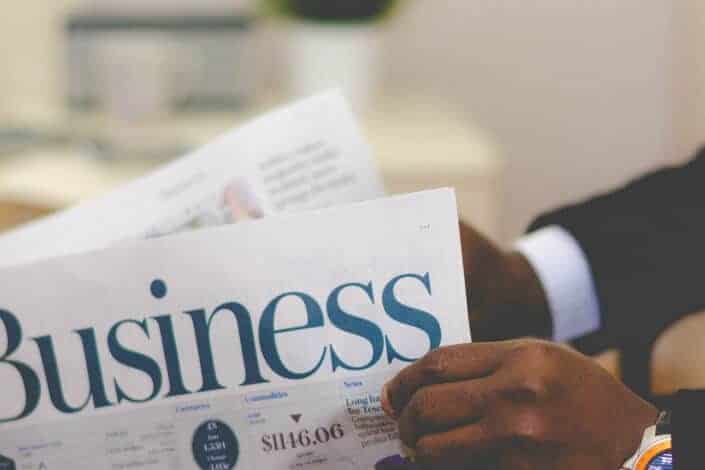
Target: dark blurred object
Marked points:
337	10
7	463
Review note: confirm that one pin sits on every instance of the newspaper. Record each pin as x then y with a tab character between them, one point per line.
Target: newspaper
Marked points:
307	156
260	345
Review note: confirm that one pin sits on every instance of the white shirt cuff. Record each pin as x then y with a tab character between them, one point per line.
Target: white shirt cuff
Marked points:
564	271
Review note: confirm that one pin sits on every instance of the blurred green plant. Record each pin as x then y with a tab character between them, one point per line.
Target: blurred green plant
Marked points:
332	10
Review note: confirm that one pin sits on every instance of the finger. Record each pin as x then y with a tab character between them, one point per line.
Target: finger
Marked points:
450	364
459	447
442	407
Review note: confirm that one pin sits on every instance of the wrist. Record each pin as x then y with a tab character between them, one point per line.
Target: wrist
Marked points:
506	297
655	448
527	297
512	301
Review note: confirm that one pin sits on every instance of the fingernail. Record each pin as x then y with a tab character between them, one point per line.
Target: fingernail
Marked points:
387	404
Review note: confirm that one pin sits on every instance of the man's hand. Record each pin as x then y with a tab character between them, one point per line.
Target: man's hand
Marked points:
531	405
506	298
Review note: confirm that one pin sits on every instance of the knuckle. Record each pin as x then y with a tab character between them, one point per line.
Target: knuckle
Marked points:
533	367
434	365
529	426
530	388
534	353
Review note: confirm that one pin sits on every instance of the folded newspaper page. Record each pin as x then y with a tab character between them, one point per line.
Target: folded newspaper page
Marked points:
261	345
307	156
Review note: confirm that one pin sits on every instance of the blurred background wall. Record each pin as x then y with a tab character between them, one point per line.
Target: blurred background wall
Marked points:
578	95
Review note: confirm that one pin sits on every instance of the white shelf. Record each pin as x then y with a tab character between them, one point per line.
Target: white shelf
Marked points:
418	145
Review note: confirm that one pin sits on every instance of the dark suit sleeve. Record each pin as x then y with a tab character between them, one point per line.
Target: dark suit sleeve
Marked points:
687	415
645	244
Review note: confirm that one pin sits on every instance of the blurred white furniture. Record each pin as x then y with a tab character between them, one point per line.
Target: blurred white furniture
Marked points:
418	145
677	359
421	145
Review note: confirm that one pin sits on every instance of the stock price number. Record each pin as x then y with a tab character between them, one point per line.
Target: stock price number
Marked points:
305	438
